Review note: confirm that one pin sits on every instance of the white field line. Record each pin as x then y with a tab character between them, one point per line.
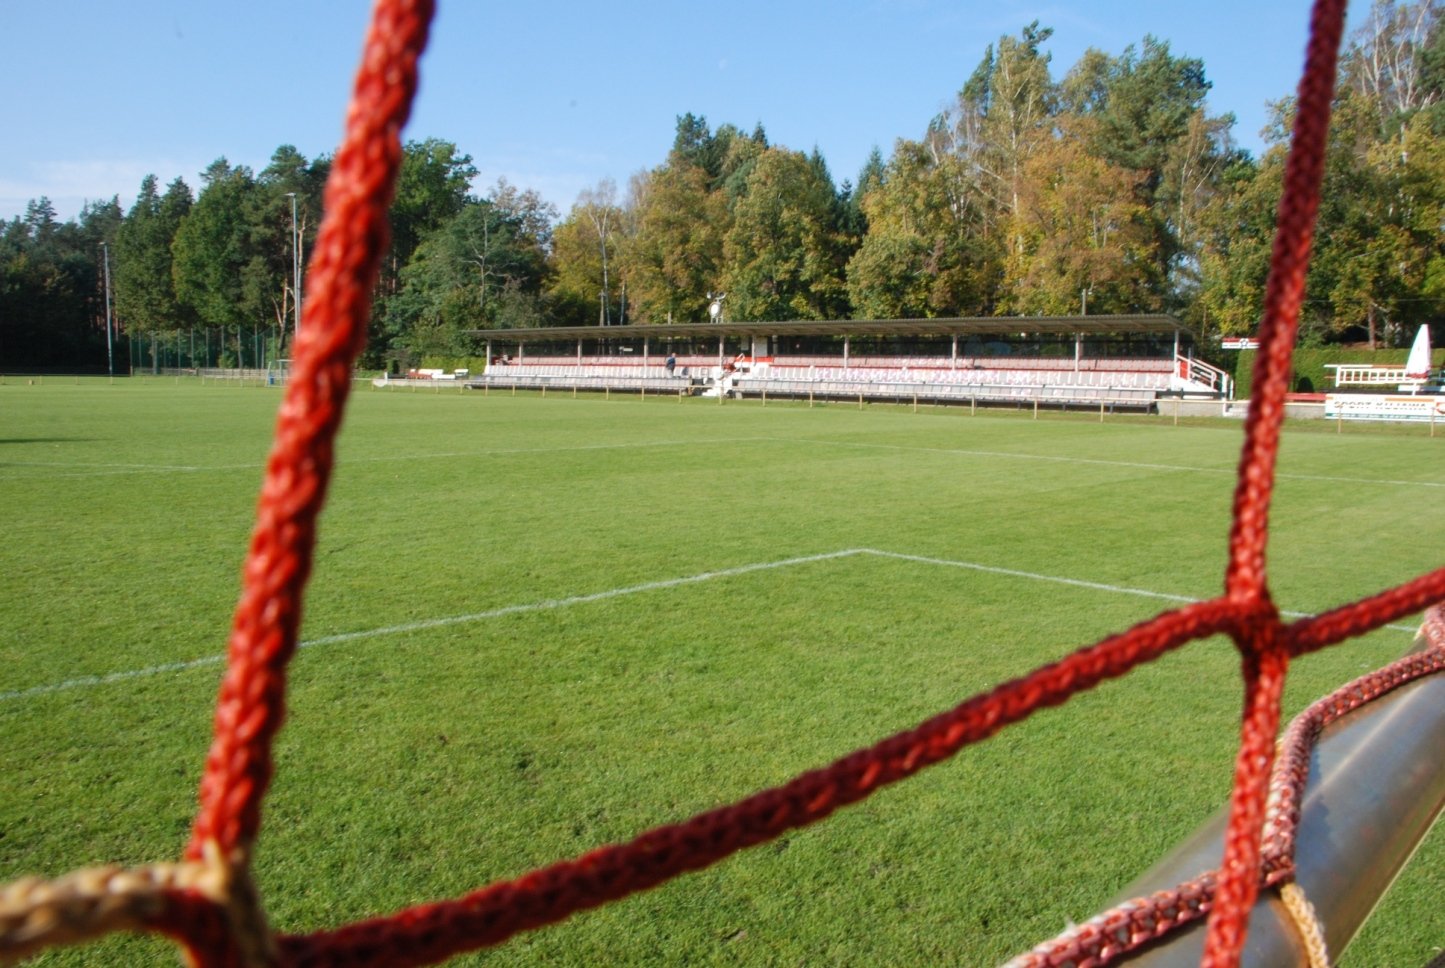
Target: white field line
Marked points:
1077	583
80	682
555	603
1180	468
1031	576
542	606
108	470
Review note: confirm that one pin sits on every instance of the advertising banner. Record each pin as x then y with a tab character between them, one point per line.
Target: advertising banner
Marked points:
1381	406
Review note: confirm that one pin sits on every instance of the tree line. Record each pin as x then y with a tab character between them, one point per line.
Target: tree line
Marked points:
1111	189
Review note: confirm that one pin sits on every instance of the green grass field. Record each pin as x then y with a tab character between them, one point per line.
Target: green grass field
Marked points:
541	625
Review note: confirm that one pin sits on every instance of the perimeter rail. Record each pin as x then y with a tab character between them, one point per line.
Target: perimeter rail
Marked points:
249	374
534	381
953	393
1201	374
1367	375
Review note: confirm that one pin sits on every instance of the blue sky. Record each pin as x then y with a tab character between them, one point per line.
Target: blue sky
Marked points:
553	95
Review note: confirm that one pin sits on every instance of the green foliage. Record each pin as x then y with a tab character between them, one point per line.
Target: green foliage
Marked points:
271	239
887	277
211	252
1144	107
473	364
52	299
585	249
480	270
855	220
694	145
577	281
1080	233
1237	228
784	249
922	255
145	296
431	189
674	255
1307	367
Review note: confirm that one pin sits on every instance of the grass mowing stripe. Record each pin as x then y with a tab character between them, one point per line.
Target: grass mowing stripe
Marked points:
114	469
500	452
119	467
554	603
1110	463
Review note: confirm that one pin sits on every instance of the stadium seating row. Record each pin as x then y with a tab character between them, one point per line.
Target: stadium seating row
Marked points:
852	389
633	372
1158	380
981	362
534	374
1056	394
911	366
1115	381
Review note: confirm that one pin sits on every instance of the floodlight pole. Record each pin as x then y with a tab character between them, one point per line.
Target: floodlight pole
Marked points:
295	262
109	346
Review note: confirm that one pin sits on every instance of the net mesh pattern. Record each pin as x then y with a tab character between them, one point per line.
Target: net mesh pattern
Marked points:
207	900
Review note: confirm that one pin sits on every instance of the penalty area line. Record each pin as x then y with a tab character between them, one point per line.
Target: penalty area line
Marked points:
1076	582
542	606
554	603
550	604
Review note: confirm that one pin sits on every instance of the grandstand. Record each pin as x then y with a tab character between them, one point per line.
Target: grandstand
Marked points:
1119	362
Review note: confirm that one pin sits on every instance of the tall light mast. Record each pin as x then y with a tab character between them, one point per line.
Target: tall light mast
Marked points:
295	261
109	346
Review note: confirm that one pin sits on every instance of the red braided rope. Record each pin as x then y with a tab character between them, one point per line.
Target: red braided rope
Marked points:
1265	652
250	707
342	274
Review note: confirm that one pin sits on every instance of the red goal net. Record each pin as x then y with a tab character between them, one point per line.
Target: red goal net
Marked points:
207	900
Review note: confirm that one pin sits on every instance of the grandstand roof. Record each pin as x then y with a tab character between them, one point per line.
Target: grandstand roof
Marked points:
961	326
